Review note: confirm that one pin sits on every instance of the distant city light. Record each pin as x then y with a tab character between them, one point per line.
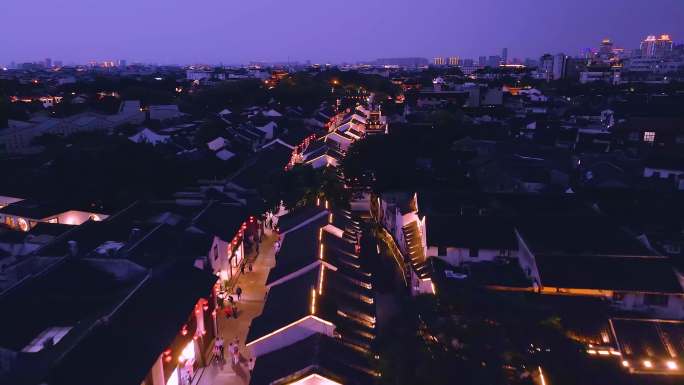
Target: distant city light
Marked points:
648	364
158	78
671	365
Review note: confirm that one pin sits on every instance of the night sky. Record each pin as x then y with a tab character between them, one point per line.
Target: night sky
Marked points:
238	31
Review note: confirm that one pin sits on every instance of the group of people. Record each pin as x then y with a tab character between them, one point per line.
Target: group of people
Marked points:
230	309
233	350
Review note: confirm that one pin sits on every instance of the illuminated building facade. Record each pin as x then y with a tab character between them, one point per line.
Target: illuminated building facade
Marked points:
656	46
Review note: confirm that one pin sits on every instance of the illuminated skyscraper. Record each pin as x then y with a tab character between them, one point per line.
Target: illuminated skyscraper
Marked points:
454	60
654	46
504	56
438	61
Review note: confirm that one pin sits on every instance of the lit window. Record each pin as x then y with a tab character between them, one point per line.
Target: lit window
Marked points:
649	136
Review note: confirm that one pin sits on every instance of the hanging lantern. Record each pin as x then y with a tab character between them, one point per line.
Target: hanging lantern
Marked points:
167	358
205	306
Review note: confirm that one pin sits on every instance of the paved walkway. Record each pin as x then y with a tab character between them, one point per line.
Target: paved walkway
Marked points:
250	306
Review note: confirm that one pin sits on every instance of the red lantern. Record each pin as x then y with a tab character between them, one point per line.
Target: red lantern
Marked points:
205	307
167	358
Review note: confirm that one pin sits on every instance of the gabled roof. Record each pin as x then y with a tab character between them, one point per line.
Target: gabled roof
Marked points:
589	235
480	232
286	303
265	163
33	209
149	136
316	355
299	216
165	302
224	154
299	250
414	245
217	143
221	219
635	274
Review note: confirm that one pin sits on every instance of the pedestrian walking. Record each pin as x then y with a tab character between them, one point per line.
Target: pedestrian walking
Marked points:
217	353
228	311
238	291
250	266
250	365
231	300
220	346
242	271
235	311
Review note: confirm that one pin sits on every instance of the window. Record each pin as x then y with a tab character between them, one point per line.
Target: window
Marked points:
655	300
649	136
474	252
441	251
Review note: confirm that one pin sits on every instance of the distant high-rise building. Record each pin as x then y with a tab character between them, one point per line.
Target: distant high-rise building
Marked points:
529	62
122	63
403	62
13	65
454	60
467	62
654	46
58	63
48	63
482	61
559	61
504	56
546	67
494	61
606	47
438	61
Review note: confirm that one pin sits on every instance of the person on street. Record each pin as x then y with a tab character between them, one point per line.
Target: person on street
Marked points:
228	311
250	267
219	342
242	271
238	291
235	311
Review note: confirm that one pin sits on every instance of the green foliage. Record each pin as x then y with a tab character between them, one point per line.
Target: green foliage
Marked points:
302	186
211	129
391	161
234	95
301	90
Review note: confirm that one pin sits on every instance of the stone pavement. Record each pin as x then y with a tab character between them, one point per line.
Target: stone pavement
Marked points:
249	307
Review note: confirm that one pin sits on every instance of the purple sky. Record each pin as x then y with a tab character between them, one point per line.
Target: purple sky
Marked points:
238	31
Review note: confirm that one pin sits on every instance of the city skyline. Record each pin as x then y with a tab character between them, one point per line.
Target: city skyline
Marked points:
218	32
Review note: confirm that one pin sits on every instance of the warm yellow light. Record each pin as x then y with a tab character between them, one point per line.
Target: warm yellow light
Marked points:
320	280
541	376
671	365
625	363
290	325
648	364
313	301
591	351
315	379
603	352
320	253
